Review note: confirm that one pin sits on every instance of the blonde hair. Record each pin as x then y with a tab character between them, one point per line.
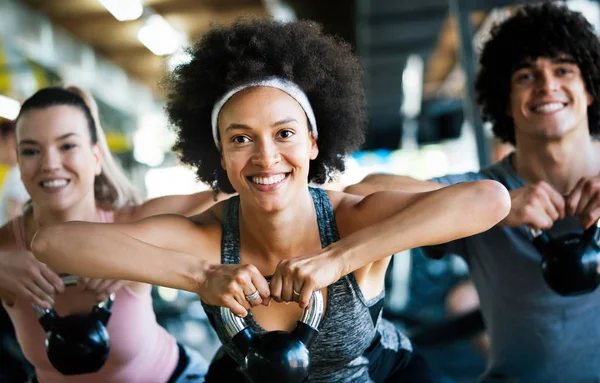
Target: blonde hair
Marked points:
112	186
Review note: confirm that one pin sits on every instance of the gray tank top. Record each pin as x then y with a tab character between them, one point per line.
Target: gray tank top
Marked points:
351	328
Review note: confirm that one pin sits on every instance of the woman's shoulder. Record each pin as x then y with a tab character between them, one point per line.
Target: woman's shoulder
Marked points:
213	216
342	202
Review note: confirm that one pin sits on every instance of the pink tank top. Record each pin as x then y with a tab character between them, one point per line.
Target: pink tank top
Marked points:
141	350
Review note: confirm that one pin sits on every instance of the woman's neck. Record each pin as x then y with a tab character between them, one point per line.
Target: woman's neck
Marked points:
84	211
282	234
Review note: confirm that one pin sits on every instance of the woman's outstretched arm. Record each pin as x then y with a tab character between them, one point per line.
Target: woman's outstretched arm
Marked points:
154	250
391	222
166	250
385	223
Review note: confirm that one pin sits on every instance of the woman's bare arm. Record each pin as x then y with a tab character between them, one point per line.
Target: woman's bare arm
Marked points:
385	223
182	204
156	250
377	182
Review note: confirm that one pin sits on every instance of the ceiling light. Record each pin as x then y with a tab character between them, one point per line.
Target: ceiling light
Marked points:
159	36
124	10
9	108
589	9
178	58
280	11
412	86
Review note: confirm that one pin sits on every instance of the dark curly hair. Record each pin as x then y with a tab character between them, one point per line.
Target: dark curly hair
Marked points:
541	30
323	66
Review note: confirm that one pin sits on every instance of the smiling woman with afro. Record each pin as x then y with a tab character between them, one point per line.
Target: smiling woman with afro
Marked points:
322	66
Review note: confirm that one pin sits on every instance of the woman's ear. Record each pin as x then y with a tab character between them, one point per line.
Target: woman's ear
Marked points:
97	158
314	148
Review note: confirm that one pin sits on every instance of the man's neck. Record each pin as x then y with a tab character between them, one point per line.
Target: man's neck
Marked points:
561	162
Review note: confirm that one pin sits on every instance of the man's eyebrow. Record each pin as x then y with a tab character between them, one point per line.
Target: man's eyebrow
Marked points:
522	65
527	63
563	60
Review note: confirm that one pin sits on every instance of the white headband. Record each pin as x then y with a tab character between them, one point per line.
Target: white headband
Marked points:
274	82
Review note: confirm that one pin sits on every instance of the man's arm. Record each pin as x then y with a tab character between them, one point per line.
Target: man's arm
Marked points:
381	182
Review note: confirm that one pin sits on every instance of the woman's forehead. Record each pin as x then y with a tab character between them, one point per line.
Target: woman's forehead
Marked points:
262	102
52	120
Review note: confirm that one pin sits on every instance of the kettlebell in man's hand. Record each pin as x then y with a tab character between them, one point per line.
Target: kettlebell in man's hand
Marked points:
570	262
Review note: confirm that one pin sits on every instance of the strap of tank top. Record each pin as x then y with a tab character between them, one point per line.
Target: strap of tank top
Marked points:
108	216
230	240
325	217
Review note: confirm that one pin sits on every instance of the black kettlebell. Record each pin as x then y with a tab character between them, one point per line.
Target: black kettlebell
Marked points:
77	344
276	356
570	262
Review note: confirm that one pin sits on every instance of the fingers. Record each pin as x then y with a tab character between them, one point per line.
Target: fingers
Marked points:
590	217
539	205
116	286
41	283
43	303
102	287
287	290
588	213
253	286
305	294
288	285
235	307
553	202
105	287
53	278
94	284
38	295
276	285
574	198
82	283
42	286
242	302
262	286
584	200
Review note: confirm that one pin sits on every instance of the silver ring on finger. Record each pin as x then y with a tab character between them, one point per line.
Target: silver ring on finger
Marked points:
295	292
253	297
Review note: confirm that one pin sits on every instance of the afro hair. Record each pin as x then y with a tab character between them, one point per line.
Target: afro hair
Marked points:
541	30
323	66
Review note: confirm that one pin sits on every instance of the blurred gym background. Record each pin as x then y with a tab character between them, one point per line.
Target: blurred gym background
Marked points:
419	59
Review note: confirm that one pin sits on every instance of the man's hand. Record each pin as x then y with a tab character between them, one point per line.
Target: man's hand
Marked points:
537	206
584	201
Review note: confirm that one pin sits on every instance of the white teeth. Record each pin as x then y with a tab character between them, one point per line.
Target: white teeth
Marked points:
268	180
54	183
546	108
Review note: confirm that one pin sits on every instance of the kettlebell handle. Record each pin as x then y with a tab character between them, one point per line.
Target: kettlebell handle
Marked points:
71	280
541	237
311	316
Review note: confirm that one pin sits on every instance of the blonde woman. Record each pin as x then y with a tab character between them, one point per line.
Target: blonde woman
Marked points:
70	175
